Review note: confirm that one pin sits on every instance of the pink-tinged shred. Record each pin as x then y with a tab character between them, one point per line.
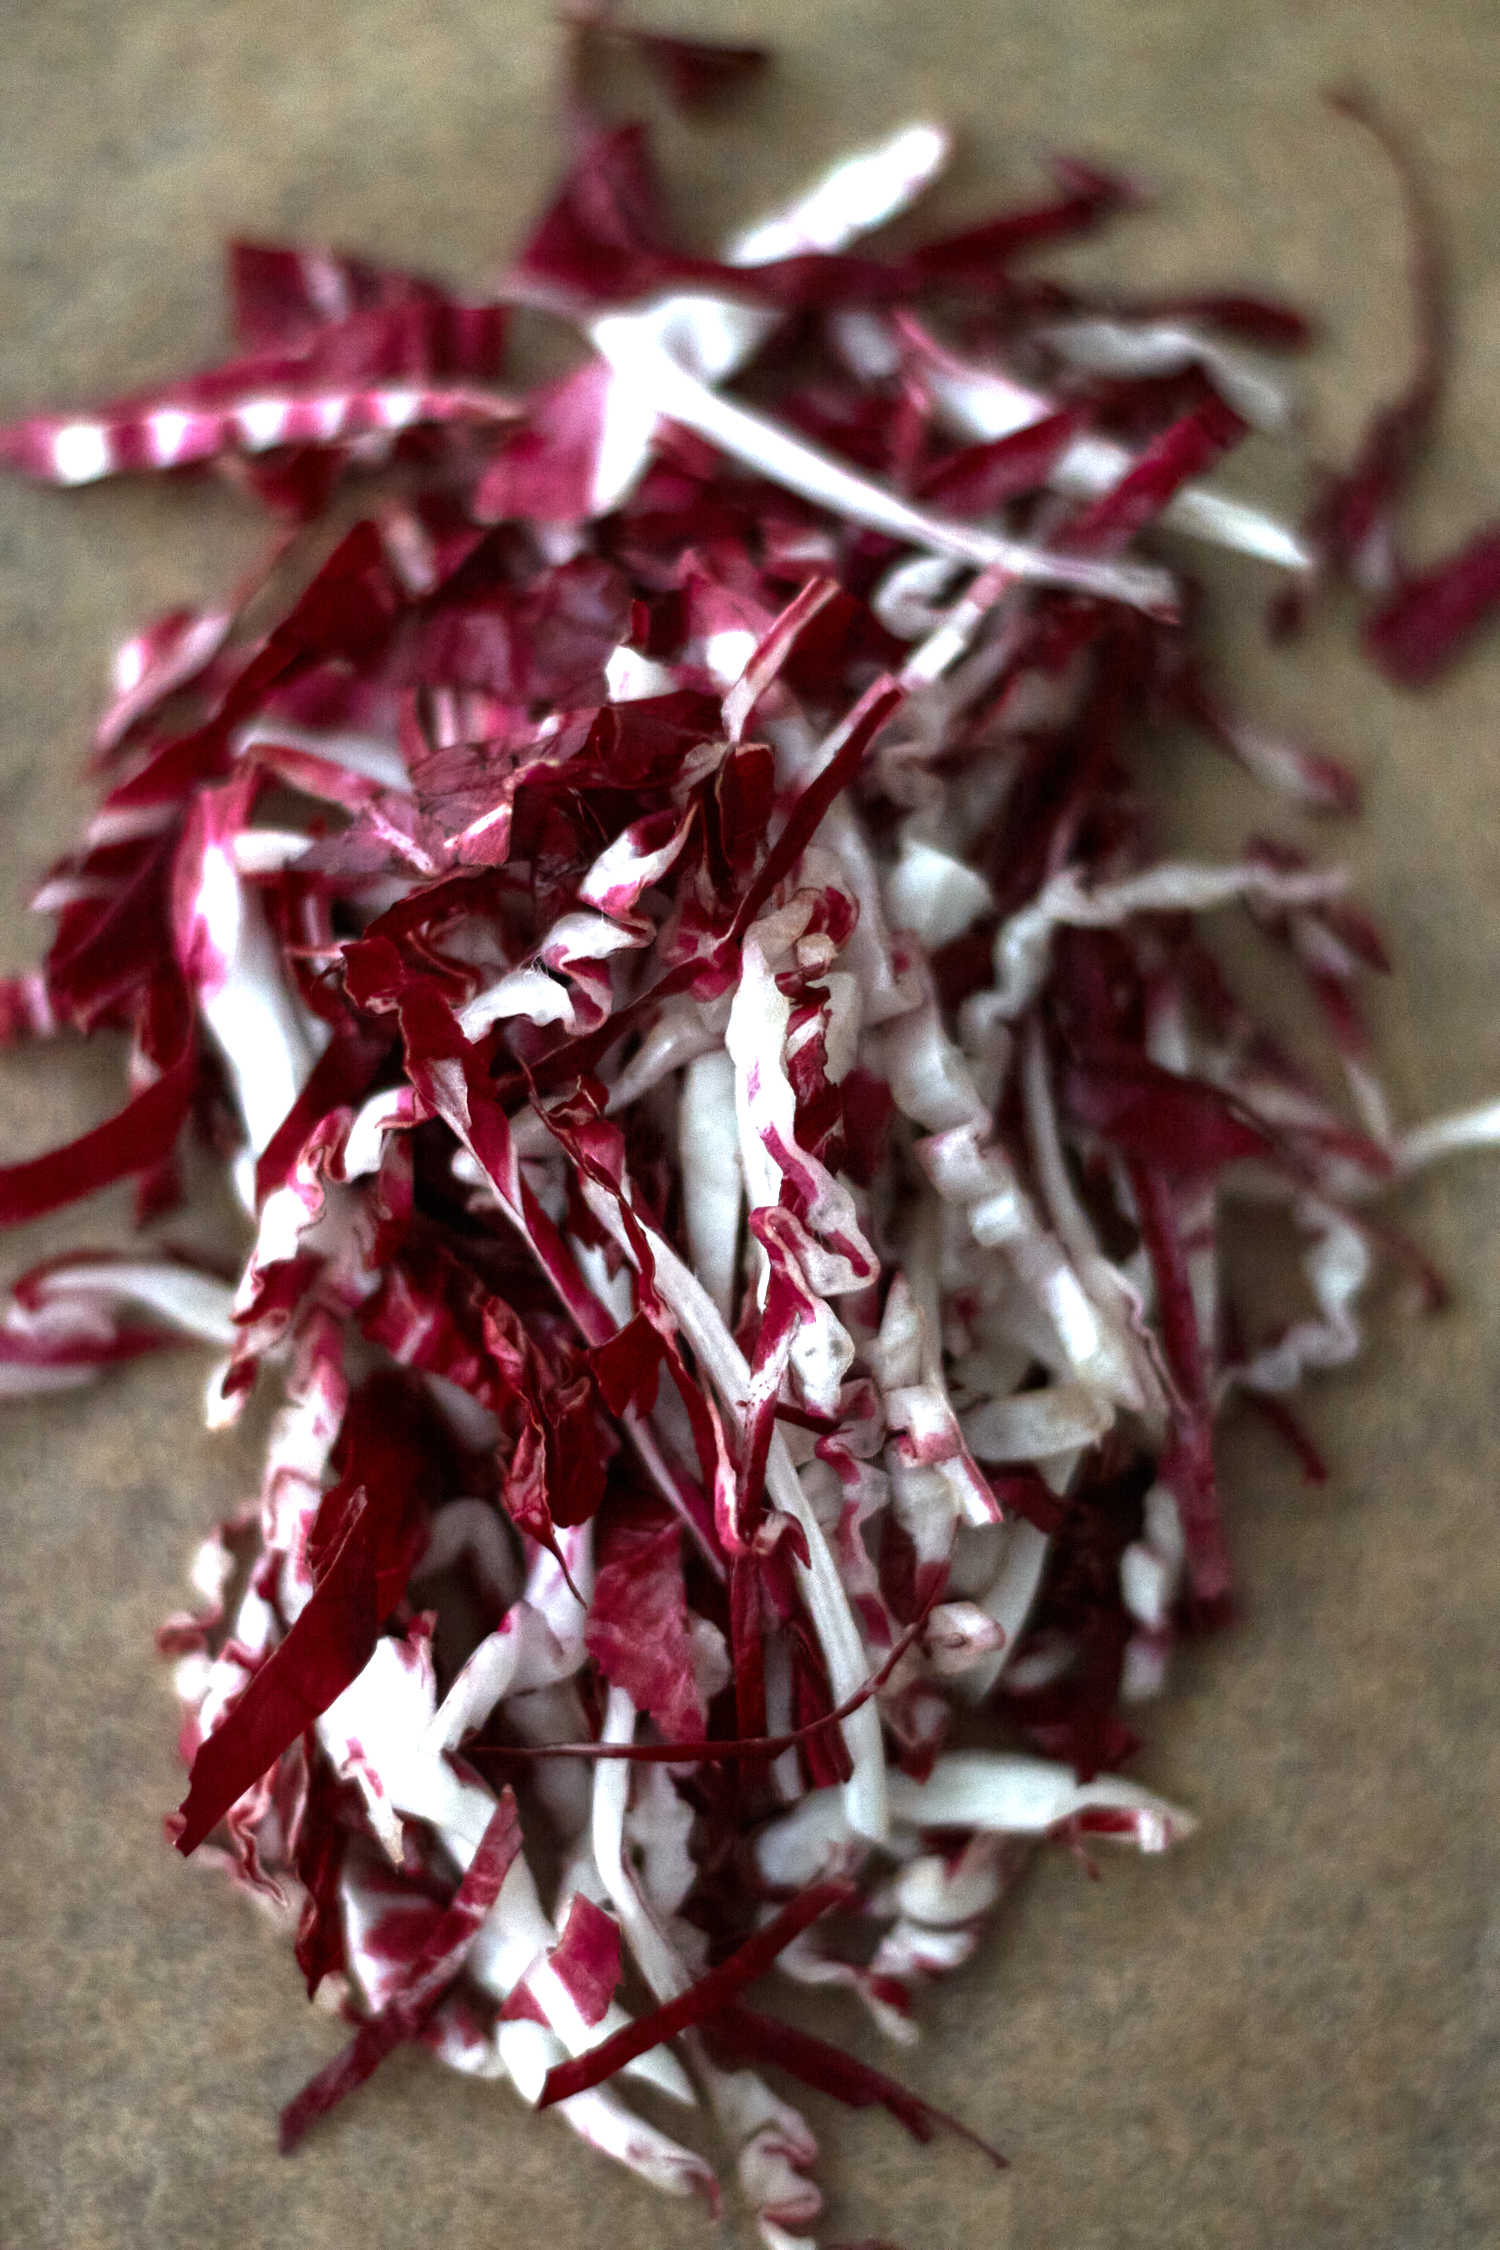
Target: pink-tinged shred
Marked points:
1158	474
1431	617
734	1118
1353	525
638	1624
587	1960
702	2001
79	450
1426	617
747	2036
327	1648
436	1967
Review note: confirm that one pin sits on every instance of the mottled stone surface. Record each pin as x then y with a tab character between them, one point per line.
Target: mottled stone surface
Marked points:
1288	2035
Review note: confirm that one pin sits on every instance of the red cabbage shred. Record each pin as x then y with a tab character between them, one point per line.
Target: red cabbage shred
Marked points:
734	1115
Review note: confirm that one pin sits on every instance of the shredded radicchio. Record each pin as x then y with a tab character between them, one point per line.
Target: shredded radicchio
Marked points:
1423	619
734	1113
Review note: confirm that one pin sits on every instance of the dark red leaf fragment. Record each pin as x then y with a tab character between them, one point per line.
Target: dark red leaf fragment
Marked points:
433	1970
323	1653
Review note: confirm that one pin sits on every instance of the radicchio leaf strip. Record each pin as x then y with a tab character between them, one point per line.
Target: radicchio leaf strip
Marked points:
703	1999
323	1653
428	1977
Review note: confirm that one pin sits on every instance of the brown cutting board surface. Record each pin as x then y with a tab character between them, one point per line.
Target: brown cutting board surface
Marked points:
1288	2034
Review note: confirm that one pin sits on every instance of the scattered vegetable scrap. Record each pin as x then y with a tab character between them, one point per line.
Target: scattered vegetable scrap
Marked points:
734	1114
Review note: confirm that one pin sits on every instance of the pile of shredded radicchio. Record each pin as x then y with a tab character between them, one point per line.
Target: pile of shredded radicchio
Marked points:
734	1112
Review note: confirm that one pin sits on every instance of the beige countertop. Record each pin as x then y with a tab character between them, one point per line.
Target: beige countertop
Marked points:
1286	2036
